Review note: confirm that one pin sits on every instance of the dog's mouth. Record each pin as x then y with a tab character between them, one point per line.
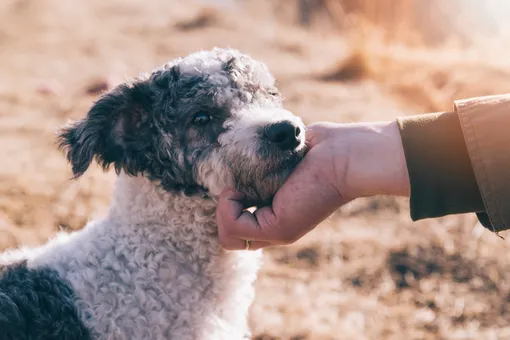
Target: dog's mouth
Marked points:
260	191
285	164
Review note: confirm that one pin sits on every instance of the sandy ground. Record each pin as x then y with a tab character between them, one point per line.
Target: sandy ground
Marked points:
366	273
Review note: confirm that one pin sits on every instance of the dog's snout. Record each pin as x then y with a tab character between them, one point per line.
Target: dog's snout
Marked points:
285	134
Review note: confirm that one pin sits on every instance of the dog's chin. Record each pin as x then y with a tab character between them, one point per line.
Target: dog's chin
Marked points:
261	190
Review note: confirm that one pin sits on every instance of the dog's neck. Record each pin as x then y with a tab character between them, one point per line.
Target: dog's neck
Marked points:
141	202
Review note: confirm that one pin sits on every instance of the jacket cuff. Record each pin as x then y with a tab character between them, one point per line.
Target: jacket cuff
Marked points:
441	176
485	122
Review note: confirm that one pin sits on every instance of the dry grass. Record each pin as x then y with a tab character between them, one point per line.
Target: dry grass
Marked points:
368	272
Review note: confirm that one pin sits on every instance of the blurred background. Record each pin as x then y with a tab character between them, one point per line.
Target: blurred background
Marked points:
368	272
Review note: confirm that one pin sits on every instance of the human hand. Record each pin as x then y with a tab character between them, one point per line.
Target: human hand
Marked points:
343	162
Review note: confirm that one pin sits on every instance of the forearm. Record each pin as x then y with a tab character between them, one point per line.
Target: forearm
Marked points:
423	157
377	164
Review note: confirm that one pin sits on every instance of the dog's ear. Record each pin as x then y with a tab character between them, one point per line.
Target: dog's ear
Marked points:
112	132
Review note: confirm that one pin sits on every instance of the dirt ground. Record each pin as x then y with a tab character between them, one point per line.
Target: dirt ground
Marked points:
366	273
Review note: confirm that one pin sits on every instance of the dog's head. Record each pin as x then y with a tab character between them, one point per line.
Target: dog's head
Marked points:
202	123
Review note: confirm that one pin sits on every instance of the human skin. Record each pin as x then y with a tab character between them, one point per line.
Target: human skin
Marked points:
343	162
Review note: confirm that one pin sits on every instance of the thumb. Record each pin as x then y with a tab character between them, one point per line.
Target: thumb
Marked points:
316	133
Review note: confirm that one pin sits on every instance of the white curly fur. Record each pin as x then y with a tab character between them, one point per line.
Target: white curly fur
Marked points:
156	256
153	267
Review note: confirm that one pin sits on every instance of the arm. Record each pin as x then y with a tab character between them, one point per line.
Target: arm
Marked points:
439	160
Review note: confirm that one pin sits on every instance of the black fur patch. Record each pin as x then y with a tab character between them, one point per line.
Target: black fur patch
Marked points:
38	304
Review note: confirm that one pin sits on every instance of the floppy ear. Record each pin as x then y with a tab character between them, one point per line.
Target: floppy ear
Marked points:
112	132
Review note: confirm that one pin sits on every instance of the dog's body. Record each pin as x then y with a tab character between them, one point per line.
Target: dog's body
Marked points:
153	268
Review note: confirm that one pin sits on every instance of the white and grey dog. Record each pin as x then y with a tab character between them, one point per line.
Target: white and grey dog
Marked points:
153	268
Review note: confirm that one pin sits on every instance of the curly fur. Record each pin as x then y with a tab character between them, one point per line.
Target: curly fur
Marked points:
153	267
30	302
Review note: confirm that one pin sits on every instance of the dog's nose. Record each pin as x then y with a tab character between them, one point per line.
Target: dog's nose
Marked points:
285	134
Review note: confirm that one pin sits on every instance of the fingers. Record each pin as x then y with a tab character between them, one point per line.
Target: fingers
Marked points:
235	223
315	133
239	244
319	132
230	206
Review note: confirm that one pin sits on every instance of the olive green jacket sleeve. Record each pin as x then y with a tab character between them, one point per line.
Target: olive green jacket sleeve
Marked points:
459	161
485	123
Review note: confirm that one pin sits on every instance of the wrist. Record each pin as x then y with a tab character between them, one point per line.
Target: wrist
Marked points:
394	173
375	162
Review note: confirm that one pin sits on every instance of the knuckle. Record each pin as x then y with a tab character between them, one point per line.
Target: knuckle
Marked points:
268	221
225	195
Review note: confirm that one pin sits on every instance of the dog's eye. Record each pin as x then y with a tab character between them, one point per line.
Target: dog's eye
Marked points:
201	118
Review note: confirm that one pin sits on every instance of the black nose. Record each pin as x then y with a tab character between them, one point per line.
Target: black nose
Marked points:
285	134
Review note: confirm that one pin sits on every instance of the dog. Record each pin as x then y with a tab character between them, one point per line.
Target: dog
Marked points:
153	268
